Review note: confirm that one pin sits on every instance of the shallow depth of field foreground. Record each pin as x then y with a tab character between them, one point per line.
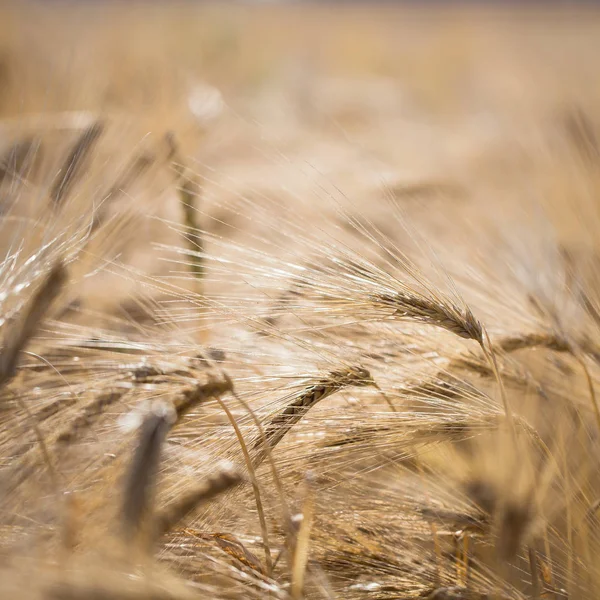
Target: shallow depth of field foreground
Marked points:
299	303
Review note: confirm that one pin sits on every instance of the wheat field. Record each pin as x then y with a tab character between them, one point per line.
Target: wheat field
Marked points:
299	302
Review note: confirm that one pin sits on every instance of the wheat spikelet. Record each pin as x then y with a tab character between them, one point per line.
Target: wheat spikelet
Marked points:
74	162
447	316
138	489
22	330
295	411
190	397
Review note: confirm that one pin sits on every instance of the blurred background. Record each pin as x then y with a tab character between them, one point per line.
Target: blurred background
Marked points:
278	99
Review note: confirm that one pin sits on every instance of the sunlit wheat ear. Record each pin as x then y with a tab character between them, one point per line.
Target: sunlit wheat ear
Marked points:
432	312
304	401
140	479
556	342
444	314
16	337
444	384
172	515
193	395
75	162
18	334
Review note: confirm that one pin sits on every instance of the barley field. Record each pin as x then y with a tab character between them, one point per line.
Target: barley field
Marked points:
299	302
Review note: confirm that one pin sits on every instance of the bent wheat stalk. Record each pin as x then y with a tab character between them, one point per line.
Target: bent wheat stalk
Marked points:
254	482
295	411
274	472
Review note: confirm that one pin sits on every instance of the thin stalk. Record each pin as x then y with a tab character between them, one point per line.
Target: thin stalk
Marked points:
254	482
300	560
